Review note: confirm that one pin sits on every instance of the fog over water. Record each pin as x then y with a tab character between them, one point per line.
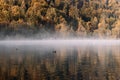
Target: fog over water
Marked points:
75	59
60	59
58	42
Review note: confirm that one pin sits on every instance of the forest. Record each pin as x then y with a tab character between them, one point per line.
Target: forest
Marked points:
63	18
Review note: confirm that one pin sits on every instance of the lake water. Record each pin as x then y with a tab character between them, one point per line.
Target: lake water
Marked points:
60	60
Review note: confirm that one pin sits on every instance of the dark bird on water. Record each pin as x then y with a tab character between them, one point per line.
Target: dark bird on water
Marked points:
54	51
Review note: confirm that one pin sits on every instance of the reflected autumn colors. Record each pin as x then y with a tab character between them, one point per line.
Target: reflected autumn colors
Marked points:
62	63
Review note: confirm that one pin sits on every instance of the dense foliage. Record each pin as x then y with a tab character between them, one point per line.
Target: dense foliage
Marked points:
79	17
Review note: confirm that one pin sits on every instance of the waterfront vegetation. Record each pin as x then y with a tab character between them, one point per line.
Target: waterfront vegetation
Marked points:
82	18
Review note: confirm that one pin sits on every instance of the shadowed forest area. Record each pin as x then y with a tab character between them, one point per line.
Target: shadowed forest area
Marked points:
64	18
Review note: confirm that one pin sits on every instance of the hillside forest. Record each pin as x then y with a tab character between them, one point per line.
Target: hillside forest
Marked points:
60	18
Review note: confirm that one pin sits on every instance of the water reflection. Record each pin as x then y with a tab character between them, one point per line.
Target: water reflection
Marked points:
63	63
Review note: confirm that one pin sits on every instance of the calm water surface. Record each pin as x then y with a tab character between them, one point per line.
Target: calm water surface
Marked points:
64	62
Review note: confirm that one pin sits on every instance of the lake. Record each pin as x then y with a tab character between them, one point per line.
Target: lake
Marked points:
60	60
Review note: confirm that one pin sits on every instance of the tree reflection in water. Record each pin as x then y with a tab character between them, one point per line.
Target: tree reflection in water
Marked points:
63	63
